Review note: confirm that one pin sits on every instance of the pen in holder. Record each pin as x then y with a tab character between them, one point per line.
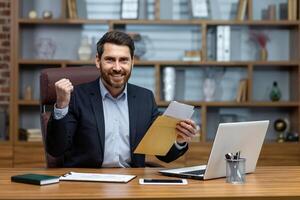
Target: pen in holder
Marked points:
235	168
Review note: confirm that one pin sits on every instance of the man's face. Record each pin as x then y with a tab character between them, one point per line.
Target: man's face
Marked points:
115	65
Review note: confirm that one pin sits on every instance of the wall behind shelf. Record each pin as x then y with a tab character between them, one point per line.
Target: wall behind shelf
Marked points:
32	37
262	87
54	6
218	115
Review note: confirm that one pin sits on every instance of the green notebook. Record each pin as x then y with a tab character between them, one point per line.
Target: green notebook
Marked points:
36	179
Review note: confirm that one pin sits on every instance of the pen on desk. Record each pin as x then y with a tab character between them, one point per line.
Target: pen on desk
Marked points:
238	154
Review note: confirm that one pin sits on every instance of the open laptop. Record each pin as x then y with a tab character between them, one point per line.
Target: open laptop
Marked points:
246	137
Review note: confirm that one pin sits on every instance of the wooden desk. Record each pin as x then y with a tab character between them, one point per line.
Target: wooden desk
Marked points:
267	183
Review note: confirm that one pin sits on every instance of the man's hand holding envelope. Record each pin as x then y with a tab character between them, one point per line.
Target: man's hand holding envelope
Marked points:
174	125
186	130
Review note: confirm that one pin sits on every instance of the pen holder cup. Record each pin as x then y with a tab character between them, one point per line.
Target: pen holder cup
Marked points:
236	171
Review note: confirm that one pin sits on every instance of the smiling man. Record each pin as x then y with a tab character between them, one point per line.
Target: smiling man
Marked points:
99	124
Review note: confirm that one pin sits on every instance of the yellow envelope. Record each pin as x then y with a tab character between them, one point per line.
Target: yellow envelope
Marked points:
159	138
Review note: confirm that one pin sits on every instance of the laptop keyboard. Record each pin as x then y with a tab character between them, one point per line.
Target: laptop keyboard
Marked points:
195	172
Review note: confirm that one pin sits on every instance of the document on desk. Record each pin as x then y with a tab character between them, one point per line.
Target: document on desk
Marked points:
162	133
117	178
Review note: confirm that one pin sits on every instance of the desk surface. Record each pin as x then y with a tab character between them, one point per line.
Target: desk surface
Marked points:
272	182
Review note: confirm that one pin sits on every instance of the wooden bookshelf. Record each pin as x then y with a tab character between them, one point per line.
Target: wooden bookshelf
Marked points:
60	21
25	61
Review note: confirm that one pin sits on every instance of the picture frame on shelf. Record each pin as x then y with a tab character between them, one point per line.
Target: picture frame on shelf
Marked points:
129	9
199	9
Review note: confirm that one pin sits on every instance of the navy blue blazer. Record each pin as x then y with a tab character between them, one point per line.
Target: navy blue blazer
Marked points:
79	137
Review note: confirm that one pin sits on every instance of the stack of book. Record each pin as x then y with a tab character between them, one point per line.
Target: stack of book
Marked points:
30	134
34	135
242	91
223	43
193	55
72	9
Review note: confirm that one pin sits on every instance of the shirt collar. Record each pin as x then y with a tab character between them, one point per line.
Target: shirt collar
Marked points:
105	93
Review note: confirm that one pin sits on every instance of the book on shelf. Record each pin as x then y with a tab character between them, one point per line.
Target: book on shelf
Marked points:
72	9
36	179
242	91
223	43
264	14
292	9
129	9
272	12
283	11
241	11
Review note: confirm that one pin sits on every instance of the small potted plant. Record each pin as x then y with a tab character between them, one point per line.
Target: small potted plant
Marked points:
261	39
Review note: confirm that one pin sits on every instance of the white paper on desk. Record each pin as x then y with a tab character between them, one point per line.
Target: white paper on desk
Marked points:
118	178
179	110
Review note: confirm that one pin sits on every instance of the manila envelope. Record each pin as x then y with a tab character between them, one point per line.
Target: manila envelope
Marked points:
159	138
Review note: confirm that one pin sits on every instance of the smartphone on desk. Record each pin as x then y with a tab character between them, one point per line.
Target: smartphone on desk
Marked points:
156	181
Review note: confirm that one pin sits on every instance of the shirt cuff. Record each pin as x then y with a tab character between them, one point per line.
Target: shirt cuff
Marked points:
60	113
180	146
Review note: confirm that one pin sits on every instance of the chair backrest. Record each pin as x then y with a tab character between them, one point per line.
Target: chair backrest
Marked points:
48	77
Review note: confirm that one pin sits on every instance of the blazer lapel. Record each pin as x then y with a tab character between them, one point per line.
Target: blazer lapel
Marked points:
96	101
132	117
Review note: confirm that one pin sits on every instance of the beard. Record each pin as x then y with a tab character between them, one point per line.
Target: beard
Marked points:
115	79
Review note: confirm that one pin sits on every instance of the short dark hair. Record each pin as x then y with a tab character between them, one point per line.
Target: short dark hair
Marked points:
115	37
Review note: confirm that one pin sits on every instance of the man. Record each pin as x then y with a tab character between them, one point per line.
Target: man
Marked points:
99	124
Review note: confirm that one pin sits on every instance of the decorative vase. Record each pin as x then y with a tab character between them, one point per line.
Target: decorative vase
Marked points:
44	48
141	43
209	89
169	78
85	49
275	93
263	54
280	126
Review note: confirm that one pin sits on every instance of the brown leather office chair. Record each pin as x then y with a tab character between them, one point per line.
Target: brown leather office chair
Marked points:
76	75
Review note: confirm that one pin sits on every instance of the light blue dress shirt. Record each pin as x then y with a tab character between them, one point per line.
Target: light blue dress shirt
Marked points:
116	120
